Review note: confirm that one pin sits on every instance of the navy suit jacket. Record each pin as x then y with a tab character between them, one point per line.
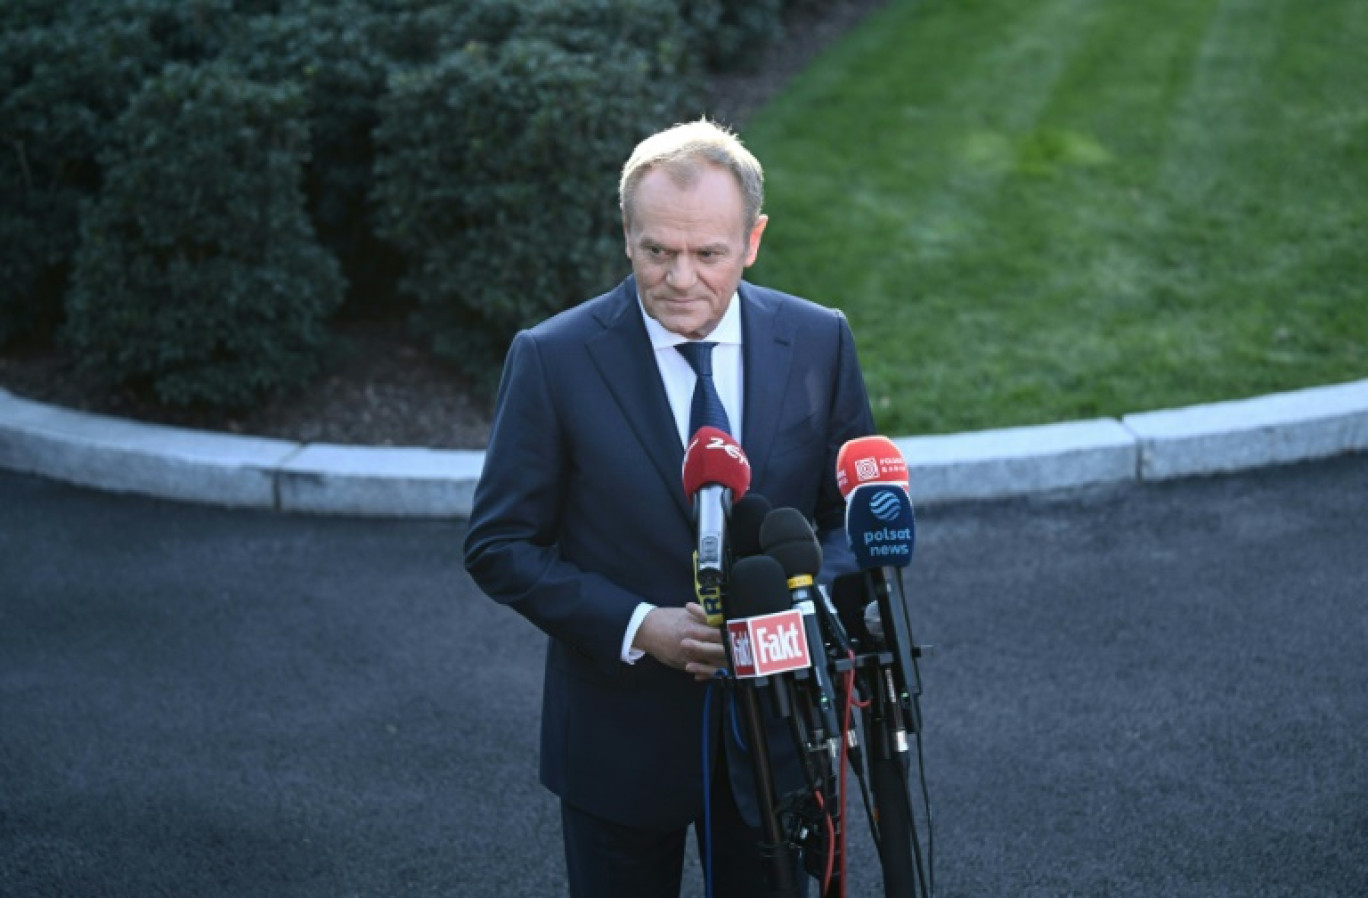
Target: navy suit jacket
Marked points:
580	514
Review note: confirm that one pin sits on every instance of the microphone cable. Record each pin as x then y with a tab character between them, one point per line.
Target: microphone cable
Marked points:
735	723
831	845
852	701
721	676
707	786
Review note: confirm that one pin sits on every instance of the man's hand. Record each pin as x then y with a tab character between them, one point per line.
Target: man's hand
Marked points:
681	638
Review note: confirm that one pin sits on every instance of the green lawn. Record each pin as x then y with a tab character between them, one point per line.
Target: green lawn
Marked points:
1041	210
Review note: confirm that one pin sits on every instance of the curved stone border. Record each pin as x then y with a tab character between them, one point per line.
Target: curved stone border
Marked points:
189	465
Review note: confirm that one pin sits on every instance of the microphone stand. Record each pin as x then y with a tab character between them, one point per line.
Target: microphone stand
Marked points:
891	714
791	700
888	772
775	852
774	847
818	752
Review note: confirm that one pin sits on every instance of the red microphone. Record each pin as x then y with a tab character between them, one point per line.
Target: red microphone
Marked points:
716	472
870	460
713	457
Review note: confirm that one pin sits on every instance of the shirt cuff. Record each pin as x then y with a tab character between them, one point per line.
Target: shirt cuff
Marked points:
630	655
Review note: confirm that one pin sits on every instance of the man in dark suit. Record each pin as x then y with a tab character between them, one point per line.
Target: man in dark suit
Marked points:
580	521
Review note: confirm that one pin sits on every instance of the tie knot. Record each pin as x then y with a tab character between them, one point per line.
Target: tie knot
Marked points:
699	357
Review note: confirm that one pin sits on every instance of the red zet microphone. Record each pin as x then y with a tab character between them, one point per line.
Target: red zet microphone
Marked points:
872	459
716	472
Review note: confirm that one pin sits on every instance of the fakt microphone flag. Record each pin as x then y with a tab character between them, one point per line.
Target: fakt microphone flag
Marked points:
880	526
764	634
769	644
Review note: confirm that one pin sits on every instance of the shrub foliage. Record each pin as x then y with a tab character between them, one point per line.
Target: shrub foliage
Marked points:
189	189
508	153
64	77
210	289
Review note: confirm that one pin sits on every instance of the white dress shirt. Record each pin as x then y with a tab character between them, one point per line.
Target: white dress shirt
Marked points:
679	378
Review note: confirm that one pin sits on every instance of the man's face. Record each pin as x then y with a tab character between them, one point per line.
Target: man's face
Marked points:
689	246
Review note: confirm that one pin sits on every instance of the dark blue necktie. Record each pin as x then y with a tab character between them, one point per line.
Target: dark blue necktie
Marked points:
707	409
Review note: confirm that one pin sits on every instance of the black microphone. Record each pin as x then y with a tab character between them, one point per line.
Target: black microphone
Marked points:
743	531
757	598
788	538
851	596
748	514
766	638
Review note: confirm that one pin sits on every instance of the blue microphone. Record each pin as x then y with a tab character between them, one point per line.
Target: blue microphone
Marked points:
880	526
883	534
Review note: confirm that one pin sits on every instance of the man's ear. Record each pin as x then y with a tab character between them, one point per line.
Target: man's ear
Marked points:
753	240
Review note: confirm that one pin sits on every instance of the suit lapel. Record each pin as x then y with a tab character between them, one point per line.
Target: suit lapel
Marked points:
767	349
625	360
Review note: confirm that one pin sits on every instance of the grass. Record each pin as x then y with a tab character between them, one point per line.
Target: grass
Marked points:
1042	210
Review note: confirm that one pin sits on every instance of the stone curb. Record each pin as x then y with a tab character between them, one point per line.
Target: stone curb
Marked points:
250	472
1229	436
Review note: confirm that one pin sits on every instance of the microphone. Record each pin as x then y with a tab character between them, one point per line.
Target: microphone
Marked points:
850	596
744	534
716	472
788	538
748	514
882	533
747	518
872	459
880	526
764	637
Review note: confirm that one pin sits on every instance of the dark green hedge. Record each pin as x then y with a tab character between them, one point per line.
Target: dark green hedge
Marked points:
337	53
64	77
497	168
190	188
210	289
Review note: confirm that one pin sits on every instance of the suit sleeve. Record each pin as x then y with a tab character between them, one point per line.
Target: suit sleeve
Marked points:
511	549
850	417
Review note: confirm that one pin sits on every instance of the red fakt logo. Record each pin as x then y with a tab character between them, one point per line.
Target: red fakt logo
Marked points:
768	644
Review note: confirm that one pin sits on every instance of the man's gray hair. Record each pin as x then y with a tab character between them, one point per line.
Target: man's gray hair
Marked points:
681	150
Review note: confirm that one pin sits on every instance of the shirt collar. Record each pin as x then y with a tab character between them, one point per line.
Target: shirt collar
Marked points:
728	330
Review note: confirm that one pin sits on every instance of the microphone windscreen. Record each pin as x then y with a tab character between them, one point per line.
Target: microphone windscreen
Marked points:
714	458
873	459
880	526
746	517
757	586
850	596
787	537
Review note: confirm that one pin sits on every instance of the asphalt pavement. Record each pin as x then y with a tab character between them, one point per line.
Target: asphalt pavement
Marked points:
1138	688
